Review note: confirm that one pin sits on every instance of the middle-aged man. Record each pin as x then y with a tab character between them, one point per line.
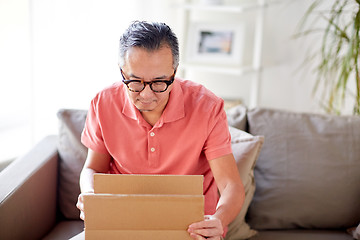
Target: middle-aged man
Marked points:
154	123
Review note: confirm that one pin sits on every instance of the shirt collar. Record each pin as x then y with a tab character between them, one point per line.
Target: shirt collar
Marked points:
174	109
129	109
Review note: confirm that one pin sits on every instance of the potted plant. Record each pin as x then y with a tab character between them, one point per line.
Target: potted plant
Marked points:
338	60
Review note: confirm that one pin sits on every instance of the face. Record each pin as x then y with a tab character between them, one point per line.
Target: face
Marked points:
141	64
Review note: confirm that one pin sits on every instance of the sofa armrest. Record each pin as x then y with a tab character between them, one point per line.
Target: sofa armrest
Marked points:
28	189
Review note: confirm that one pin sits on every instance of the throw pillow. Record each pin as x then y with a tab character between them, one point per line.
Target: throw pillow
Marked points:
307	174
236	117
72	158
246	149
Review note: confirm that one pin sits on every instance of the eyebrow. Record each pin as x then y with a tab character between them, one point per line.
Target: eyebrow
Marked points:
157	78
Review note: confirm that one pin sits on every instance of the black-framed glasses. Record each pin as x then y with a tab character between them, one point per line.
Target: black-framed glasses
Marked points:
157	86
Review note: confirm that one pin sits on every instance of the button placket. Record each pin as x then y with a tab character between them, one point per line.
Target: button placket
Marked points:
153	149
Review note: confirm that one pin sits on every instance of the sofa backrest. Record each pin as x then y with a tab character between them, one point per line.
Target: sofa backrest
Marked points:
308	172
72	153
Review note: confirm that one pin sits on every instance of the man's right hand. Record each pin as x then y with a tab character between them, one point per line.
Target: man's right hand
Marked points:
95	163
80	204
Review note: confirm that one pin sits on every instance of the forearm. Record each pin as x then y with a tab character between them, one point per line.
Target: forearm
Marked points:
87	180
95	163
230	203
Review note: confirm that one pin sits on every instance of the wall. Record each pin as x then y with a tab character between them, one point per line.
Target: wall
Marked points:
75	51
15	78
59	53
283	83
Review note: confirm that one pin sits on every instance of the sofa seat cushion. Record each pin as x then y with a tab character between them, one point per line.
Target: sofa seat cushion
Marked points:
65	230
302	235
307	174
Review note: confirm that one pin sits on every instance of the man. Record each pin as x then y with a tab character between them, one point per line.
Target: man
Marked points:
154	123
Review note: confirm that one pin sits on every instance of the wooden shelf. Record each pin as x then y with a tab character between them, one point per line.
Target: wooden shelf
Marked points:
236	70
235	8
223	8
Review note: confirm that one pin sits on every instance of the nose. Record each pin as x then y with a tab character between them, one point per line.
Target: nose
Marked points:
146	92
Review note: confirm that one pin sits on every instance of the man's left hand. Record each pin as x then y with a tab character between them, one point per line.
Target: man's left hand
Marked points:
211	228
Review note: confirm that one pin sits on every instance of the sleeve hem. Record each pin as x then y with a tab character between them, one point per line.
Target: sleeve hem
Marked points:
218	153
93	147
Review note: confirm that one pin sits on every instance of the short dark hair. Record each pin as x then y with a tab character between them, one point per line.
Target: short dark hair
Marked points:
150	36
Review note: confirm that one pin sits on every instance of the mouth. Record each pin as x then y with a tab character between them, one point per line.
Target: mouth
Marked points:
144	106
146	102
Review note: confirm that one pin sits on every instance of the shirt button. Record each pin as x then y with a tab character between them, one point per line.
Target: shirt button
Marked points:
152	134
152	149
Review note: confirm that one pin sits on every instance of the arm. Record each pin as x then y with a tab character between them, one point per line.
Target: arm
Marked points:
95	163
231	200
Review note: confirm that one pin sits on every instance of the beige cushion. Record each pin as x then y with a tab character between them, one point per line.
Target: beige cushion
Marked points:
246	149
307	174
72	158
236	117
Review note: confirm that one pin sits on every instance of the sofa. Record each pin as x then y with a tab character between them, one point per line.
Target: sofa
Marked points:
301	174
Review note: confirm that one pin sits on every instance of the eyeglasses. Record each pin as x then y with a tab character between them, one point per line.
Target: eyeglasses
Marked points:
157	86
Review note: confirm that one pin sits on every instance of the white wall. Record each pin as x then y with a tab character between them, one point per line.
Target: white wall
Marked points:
59	53
15	84
75	46
283	85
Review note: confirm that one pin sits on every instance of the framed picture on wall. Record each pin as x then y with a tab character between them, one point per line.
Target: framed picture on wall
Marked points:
215	43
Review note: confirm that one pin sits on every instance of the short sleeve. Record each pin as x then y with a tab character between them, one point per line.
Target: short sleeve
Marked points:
92	136
218	142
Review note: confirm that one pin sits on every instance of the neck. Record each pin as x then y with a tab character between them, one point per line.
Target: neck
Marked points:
151	117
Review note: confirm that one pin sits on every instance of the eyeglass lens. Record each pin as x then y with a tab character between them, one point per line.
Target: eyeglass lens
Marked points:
138	86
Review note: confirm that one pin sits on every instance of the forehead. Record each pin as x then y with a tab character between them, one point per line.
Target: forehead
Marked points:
137	57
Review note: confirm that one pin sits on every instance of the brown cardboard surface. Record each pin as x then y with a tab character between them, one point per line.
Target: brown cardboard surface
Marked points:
143	206
142	212
148	184
137	235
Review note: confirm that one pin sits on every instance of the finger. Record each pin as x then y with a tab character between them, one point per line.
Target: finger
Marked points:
208	232
80	206
82	215
80	203
214	238
211	227
196	236
211	223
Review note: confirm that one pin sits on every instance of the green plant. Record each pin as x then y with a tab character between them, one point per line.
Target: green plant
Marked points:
339	64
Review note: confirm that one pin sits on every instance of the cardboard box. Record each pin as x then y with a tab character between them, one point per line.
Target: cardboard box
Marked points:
143	206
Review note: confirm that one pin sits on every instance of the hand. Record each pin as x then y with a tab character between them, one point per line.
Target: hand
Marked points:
211	228
80	204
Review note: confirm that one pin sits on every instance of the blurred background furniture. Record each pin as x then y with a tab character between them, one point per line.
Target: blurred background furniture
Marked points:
306	174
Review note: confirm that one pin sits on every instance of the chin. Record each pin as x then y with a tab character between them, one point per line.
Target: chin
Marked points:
144	109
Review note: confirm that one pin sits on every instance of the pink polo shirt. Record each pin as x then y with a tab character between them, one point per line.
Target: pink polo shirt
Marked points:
191	131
